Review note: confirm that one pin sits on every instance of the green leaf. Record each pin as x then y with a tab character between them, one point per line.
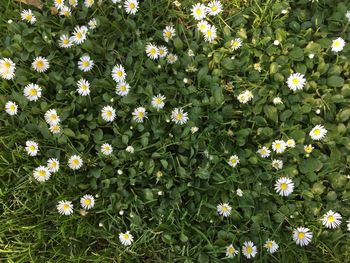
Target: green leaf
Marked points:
271	113
335	81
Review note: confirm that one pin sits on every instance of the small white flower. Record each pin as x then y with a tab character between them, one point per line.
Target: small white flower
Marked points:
338	44
83	87
85	63
162	52
236	43
277	164
279	146
89	3
318	132
122	88
276	42
290	143
203	26
59	4
79	34
73	3
284	186
214	8
42	174
245	96
106	149
130	149
158	101
7	68
53	165
331	219
179	116
308	148
194	129
120	172
118	73
347	15
32	92
40	64
139	114
28	16
233	161
271	246
296	81
302	236
239	192
51	117
152	51
126	238
249	250
264	152
32	148
311	56
92	23
108	113
131	6
210	34
224	209
65	207
171	58
231	251
65	11
65	41
284	11
198	11
55	129
75	162
277	100
168	33
11	108
87	202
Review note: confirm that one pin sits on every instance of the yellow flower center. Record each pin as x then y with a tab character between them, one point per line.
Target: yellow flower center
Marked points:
179	116
214	8
28	17
278	146
269	244
40	64
53	117
123	88
262	152
109	113
198	11
233	161
42	173
59	1
119	73
209	33
203	26
161	51
224	209
301	235
317	131
7	64
308	149
66	13
235	43
168	34
65	206
75	162
331	219
284	186
86	64
33	92
12	107
132	6
55	128
249	249
126	236
79	35
83	87
153	51
295	81
231	250
158	101
54	164
140	114
336	43
87	201
32	148
159	174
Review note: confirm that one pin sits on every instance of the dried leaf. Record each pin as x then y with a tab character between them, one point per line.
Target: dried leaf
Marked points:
36	3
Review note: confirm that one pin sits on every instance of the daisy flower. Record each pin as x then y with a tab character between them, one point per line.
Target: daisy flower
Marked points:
92	23
284	186
83	87
203	26
338	44
27	15
331	219
152	51
168	33
296	81
87	202
239	192
290	143
65	11
118	73
198	11
51	117
131	6
73	3
65	207
233	161
245	96
11	108
249	250
85	63
59	4
318	133
65	41
53	165
89	3
302	236
42	174
308	148
171	58
40	64
79	34
210	34
139	114
264	152
75	162
179	116
277	101
271	246
214	8
32	148
158	101
130	149
347	15
55	129
106	149
32	92
194	129
162	51
126	238
277	164
236	43
108	113
7	68
123	88
279	146
231	251
224	209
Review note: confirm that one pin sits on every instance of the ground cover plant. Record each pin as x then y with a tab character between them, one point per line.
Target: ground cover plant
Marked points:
174	131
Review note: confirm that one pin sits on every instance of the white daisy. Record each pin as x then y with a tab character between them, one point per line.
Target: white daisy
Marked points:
139	114
55	129
85	63
331	219
65	11
264	152
239	192
338	44
7	68
284	186
130	149
277	101
308	148
233	161
152	51
277	164
296	81
194	129
106	149
249	250
75	162
65	207
245	96
158	101
92	23
126	238
83	87
40	64
168	33
271	246
32	92
236	43
89	3
32	148
210	34
198	11
11	108
65	41
179	116
290	143
108	113
42	174
279	146
302	236
318	133
123	88
53	165
224	209
28	16
162	51
118	73
51	117
59	4
231	251
171	58
203	26
87	202
73	3
214	8
79	34
131	6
